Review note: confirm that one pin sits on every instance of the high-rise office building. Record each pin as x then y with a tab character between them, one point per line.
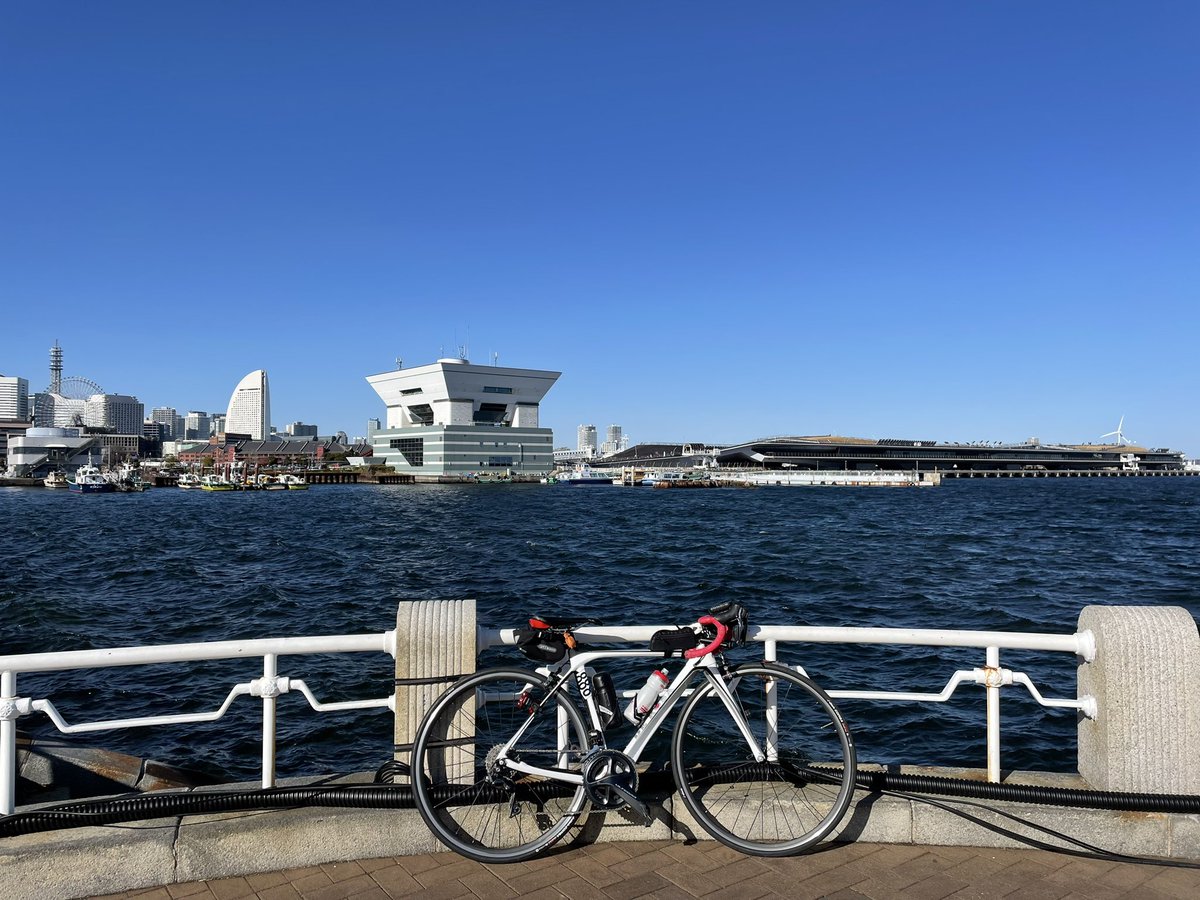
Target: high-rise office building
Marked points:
216	424
586	439
250	407
614	441
117	413
14	398
300	430
166	415
195	426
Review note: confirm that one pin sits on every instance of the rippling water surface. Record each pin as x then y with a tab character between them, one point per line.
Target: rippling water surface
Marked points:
173	566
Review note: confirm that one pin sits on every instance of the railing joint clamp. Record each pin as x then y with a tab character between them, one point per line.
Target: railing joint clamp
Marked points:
270	687
994	676
12	708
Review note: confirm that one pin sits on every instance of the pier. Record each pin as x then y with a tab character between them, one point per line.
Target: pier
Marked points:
1070	473
341	476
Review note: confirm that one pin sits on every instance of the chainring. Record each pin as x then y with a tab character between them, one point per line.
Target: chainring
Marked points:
603	769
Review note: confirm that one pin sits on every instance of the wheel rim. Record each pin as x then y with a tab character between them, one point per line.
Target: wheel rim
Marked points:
467	797
776	807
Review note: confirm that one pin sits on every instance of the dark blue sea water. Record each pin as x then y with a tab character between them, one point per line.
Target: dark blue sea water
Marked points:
175	566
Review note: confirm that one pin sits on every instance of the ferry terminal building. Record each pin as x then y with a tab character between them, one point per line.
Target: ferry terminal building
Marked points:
450	419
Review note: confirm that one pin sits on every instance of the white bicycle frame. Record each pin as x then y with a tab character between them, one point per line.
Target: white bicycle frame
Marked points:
646	729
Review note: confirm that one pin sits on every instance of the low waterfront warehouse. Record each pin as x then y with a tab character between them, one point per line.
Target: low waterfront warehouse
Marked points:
452	418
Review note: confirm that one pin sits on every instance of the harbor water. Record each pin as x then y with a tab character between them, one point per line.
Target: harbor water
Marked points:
171	566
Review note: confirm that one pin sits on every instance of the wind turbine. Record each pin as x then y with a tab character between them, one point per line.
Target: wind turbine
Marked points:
1118	434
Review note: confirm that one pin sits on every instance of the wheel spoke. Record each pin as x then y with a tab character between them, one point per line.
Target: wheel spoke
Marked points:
769	808
467	795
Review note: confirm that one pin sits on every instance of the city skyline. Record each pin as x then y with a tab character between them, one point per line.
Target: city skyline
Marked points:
945	222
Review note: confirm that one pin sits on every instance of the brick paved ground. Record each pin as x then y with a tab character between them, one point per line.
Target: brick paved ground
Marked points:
669	870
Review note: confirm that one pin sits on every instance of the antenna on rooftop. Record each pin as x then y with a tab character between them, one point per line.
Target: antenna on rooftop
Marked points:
1119	434
495	358
56	368
399	363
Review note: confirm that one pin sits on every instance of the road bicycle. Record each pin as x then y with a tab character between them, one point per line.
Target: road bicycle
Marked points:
505	763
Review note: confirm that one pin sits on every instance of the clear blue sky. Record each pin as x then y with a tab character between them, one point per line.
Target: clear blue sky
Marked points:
952	221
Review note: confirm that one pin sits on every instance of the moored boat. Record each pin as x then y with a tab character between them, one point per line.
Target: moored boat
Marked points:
56	479
292	482
493	477
188	480
127	479
215	482
271	483
584	474
90	480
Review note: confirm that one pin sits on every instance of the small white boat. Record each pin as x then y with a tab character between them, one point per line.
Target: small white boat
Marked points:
292	482
216	483
583	474
90	480
127	478
188	481
56	479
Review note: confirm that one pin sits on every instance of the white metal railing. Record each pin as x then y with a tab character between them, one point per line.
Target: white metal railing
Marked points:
270	687
991	676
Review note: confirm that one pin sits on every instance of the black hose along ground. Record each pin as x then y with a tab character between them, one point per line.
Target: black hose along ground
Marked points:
390	796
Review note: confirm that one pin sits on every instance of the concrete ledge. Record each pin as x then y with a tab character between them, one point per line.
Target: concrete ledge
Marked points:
88	861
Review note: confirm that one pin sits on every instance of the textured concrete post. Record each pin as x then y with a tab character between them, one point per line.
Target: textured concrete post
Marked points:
1146	681
435	639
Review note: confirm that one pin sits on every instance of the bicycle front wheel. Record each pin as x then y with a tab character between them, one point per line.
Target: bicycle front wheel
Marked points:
791	801
471	799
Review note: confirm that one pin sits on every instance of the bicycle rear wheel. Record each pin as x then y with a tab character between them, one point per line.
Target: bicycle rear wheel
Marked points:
471	801
786	804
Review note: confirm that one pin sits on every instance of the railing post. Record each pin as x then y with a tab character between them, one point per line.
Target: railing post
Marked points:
8	743
770	654
1146	683
270	693
436	641
992	687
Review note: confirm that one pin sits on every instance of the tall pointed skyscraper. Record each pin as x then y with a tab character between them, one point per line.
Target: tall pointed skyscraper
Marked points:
250	407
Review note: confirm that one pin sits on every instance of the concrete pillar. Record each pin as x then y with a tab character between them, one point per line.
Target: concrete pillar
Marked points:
1146	682
435	641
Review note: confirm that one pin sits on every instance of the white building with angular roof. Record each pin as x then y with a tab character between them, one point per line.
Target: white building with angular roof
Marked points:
451	418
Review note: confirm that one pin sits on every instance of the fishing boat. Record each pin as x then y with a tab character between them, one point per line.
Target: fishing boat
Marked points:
56	479
90	480
292	482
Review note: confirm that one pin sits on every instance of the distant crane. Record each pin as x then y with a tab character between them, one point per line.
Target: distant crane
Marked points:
1119	434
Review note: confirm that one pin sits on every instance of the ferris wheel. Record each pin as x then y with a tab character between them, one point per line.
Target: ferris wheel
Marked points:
76	387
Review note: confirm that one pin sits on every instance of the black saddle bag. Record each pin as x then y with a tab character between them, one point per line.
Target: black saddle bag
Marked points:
542	645
673	641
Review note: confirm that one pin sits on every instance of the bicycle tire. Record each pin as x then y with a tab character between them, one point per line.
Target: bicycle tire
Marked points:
471	804
774	808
